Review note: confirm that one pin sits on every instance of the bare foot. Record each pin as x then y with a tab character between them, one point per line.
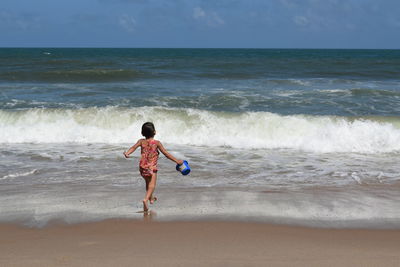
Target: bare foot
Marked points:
145	206
153	199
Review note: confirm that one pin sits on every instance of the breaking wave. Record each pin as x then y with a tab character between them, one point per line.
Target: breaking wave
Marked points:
252	130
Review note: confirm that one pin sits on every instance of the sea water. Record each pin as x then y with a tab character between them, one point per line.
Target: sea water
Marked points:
308	137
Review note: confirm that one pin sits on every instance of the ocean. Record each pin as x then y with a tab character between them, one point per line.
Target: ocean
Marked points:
293	136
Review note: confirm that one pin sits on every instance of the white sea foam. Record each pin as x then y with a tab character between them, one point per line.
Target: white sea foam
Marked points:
201	128
18	174
334	91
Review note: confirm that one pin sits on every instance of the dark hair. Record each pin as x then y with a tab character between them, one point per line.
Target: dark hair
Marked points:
148	130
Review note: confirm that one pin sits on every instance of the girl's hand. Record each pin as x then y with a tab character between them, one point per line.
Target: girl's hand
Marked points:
180	162
126	155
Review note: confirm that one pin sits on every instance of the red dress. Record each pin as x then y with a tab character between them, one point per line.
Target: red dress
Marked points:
148	161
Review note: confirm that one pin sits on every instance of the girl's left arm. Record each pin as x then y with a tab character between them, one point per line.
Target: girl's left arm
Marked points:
168	155
132	149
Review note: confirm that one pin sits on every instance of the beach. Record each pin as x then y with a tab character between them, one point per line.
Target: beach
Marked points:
147	243
293	153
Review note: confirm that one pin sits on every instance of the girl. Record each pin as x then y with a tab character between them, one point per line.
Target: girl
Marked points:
148	162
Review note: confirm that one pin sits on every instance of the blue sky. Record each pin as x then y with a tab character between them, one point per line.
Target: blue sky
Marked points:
201	23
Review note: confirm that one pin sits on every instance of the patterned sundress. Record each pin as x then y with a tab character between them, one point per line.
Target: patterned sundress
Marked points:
148	161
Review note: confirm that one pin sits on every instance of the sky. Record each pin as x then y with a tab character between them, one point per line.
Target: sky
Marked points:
201	23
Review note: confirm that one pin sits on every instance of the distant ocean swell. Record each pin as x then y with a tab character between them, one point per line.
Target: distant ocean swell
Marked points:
77	75
115	74
321	134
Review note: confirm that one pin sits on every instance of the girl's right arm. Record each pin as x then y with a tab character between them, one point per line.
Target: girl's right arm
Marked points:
133	148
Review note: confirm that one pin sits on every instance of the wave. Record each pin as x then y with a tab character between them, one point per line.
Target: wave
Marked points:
374	92
358	73
251	130
228	75
19	174
75	75
367	92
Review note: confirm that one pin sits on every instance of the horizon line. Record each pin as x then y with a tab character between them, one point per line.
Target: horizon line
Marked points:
126	47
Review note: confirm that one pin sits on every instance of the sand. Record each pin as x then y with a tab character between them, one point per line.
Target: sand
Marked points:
146	243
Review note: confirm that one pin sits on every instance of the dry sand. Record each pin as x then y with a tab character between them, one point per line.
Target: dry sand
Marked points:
143	243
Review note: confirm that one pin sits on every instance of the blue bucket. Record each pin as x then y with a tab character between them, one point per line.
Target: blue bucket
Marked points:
184	168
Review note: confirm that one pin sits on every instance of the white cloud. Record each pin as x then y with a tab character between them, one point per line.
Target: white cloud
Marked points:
210	18
301	20
198	12
127	22
215	19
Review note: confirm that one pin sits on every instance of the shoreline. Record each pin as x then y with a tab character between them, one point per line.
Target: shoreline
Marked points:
125	242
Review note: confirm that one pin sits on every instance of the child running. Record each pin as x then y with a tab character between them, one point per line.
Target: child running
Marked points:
148	162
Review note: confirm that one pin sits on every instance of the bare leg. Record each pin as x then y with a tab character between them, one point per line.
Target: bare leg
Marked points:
147	179
152	199
150	189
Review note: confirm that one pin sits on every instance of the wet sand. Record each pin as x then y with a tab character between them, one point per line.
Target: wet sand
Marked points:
146	243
